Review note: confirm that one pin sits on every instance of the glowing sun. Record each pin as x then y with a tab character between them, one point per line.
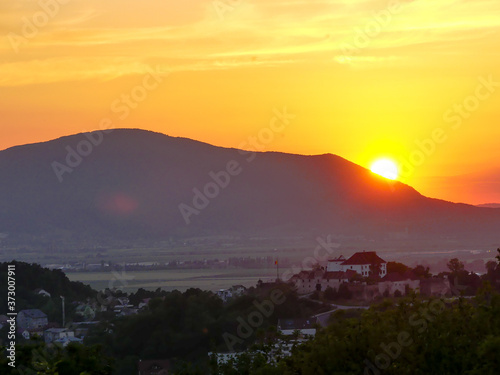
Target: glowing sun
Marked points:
385	168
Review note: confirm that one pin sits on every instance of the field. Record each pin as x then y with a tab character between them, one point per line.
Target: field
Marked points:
207	279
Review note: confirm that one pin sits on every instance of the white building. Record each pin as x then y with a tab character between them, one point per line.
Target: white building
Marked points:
237	290
361	262
335	265
304	327
224	294
53	334
310	281
32	319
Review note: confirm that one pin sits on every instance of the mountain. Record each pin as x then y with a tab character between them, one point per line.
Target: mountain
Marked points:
467	187
489	205
132	184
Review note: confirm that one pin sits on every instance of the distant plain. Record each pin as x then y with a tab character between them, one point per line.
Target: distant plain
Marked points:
180	279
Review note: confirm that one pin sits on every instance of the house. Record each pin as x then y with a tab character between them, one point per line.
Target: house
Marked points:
54	334
277	351
237	290
223	358
360	262
335	265
224	294
123	301
42	292
154	367
32	319
281	348
125	310
81	328
65	341
305	327
144	303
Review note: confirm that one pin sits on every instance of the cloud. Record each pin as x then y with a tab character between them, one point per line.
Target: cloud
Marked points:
90	36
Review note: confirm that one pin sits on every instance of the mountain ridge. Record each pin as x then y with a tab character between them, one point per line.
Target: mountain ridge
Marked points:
133	182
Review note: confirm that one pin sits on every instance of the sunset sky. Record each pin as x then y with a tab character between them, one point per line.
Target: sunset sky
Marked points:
365	79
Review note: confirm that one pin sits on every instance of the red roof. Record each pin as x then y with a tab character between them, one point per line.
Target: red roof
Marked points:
365	257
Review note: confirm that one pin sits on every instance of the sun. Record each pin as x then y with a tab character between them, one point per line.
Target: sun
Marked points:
385	168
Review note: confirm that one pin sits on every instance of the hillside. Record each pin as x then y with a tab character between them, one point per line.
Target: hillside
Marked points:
131	184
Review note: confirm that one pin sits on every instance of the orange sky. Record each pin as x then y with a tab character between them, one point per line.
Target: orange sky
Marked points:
365	79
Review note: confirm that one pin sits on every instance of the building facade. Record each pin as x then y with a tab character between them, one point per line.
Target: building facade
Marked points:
32	319
362	263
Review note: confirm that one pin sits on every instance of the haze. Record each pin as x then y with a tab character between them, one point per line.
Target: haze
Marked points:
430	71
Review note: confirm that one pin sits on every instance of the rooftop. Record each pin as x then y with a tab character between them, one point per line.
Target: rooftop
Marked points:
339	259
33	313
296	324
365	257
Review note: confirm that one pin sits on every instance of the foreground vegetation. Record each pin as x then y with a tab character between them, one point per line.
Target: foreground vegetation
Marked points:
408	335
412	336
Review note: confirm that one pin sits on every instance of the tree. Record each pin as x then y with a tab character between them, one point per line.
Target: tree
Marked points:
397	267
491	266
375	269
344	292
455	266
330	294
54	359
421	272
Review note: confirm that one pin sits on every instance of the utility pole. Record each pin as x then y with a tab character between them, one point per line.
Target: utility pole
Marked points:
63	313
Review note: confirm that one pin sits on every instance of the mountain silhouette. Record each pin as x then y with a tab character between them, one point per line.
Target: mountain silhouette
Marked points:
133	184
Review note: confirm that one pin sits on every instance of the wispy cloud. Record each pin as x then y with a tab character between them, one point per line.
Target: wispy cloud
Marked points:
88	37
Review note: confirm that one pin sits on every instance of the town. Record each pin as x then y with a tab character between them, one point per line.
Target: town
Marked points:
296	308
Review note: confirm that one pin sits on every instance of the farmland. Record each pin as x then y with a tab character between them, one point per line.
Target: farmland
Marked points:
207	279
